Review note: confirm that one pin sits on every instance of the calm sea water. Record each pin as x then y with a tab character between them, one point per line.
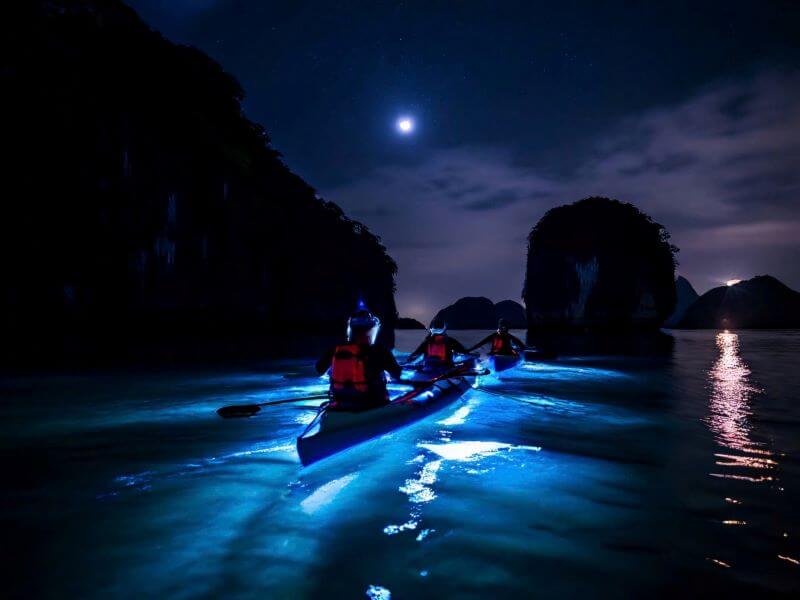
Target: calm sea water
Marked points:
584	477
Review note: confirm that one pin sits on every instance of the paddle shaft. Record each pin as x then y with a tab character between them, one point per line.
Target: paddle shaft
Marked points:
247	410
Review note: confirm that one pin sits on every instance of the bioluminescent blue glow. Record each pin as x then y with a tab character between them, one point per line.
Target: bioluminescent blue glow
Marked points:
326	494
551	371
458	417
377	592
519	484
466	451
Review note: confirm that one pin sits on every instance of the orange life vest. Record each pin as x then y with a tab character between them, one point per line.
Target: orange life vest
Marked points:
501	344
349	370
437	348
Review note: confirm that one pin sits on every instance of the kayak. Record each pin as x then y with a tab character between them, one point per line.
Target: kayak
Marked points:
503	362
334	431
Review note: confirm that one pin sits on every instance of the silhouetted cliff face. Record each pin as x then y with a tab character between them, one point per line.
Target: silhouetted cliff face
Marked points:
599	264
759	303
139	201
481	313
686	296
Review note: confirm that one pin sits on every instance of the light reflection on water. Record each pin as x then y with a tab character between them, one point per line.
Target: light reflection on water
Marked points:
729	414
731	393
729	418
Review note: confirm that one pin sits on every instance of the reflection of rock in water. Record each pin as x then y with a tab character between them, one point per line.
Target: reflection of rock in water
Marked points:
729	412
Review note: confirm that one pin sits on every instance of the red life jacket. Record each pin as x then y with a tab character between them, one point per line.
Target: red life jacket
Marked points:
438	348
349	370
501	344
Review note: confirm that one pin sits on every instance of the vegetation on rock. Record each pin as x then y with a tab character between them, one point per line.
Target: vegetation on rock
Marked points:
599	264
141	205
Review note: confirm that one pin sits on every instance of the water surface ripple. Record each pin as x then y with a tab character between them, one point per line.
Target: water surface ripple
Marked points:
596	476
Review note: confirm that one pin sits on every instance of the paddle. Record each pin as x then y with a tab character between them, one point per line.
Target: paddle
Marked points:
248	410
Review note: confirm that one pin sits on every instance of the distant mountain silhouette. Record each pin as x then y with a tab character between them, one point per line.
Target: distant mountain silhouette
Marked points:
481	313
599	265
408	323
759	303
143	210
512	312
686	297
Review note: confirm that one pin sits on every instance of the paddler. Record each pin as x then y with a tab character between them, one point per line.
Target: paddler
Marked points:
358	367
438	348
502	342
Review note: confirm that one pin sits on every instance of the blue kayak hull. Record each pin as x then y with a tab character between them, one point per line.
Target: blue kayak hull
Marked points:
503	362
334	431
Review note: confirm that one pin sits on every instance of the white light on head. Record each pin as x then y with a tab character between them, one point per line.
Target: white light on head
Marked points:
405	125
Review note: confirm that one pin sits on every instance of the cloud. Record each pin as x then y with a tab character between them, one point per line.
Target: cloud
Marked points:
494	200
747	235
721	170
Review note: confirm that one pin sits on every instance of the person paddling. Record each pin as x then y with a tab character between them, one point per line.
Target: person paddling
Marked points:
503	343
358	380
438	348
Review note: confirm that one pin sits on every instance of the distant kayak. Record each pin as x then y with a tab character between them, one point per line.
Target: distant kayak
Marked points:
503	362
334	431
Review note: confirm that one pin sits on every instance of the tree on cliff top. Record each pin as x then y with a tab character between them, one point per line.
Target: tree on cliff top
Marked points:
596	264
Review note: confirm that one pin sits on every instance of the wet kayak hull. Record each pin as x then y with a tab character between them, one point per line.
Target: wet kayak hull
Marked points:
337	431
503	362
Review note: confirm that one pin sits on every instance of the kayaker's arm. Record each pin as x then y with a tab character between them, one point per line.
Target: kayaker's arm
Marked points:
483	342
419	351
456	346
391	366
519	343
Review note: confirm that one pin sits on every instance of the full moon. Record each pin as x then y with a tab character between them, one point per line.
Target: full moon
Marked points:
405	125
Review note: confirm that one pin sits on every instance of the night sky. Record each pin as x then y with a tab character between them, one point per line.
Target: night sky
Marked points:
690	110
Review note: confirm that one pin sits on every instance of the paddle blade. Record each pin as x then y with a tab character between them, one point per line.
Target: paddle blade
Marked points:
237	412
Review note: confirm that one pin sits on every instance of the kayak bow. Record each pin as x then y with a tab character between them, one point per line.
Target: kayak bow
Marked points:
503	362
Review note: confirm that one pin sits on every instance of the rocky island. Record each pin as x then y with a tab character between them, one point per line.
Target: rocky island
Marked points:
477	312
762	302
599	264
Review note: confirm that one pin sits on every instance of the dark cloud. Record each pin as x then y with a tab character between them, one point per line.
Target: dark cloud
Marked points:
666	164
471	190
494	201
